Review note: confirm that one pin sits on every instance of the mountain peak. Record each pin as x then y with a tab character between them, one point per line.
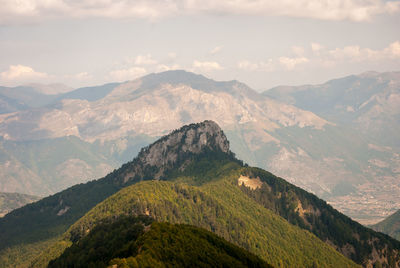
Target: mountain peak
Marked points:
196	81
176	150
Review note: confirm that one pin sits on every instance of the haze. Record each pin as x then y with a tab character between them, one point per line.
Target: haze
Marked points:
261	43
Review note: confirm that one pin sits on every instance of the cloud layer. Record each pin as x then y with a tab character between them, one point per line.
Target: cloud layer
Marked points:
21	73
320	56
314	56
26	11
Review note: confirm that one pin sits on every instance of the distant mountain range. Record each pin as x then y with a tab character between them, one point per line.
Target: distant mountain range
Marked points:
11	201
336	153
390	225
190	176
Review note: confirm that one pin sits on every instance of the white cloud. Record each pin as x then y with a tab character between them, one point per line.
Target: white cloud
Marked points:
291	63
22	73
172	56
164	67
393	49
262	66
145	60
82	76
12	11
215	50
247	65
356	53
315	47
287	63
127	74
206	66
298	50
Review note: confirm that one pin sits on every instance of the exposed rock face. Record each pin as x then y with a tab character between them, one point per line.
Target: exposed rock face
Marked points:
176	150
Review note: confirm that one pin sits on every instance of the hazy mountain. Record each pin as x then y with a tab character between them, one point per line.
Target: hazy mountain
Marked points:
369	104
110	122
192	177
50	89
19	98
390	225
89	93
11	201
14	99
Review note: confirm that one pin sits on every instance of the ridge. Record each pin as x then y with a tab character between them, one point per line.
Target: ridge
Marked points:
175	150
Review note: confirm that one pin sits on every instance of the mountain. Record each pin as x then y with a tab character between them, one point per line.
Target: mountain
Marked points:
110	123
89	93
390	225
369	101
11	201
14	99
140	242
190	176
369	105
51	216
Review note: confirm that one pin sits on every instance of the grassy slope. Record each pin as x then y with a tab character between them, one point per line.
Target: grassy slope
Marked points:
219	206
321	219
20	242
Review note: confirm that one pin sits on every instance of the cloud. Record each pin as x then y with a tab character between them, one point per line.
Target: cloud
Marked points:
264	66
164	67
24	11
315	47
287	63
82	76
393	50
206	66
216	50
247	65
172	56
355	10
145	60
318	55
22	73
355	53
298	50
291	63
127	74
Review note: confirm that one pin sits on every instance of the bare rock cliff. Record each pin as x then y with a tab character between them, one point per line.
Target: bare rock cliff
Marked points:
175	151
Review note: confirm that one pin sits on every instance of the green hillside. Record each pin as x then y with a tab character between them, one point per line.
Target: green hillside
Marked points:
216	204
311	213
390	225
140	242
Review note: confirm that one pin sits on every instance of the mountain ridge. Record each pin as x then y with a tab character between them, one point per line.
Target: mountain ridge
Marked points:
213	165
331	159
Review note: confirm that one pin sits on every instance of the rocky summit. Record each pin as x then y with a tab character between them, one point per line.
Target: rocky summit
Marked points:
176	150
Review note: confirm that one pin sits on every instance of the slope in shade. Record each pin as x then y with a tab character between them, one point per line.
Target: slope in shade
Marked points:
390	225
140	242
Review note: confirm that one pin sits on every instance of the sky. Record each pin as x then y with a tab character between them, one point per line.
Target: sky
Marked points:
261	43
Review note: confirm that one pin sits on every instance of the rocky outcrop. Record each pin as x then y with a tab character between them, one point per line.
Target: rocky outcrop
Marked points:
175	150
